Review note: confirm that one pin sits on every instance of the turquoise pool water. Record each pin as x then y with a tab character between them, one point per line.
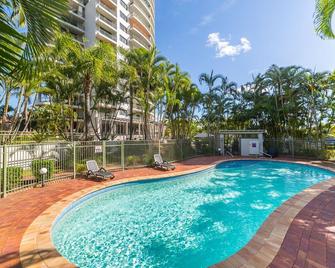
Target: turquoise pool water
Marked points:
190	221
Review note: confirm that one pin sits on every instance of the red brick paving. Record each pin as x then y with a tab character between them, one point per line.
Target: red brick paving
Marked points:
309	242
18	211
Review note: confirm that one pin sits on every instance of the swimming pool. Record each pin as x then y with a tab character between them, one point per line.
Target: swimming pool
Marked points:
193	220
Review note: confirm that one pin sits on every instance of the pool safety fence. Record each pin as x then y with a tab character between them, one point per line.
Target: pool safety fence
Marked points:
306	148
21	164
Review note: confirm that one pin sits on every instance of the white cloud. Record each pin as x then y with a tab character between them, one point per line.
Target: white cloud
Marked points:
206	20
225	49
210	17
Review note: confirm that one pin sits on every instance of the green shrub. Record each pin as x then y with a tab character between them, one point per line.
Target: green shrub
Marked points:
80	168
36	165
329	154
14	177
133	160
148	159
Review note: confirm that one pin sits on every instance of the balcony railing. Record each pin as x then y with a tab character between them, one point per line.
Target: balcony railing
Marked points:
77	12
113	12
108	34
108	21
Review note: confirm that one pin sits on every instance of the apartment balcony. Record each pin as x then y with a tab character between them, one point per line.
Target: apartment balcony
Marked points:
107	10
79	39
146	5
111	3
141	22
141	11
72	26
78	2
106	36
135	44
106	23
77	15
140	37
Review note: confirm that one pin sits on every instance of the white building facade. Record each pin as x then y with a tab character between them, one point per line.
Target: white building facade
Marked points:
122	23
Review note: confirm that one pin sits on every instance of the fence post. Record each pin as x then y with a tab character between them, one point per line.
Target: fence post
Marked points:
122	154
181	149
1	180
4	170
159	146
293	147
74	160
104	154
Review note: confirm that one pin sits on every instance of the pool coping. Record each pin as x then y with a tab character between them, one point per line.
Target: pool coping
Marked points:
259	252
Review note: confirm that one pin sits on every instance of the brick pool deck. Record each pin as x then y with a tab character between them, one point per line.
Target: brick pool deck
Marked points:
307	239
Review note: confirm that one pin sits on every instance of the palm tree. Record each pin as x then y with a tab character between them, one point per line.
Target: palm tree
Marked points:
61	74
148	65
210	80
323	16
26	27
131	82
165	95
8	85
92	66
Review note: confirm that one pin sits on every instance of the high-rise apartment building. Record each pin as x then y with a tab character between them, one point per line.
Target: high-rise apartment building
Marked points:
122	23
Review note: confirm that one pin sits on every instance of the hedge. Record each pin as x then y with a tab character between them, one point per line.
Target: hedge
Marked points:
14	177
36	165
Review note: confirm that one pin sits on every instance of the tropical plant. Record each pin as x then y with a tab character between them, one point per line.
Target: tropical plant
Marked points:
148	65
26	27
323	16
52	120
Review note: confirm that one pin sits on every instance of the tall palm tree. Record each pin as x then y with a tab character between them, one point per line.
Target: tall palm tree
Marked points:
131	82
323	16
210	81
92	66
61	74
26	26
148	65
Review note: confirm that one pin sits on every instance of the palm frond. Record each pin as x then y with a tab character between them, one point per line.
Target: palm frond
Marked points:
29	25
323	15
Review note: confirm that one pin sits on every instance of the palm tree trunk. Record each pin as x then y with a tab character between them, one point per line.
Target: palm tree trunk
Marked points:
87	91
29	115
6	105
17	112
131	111
145	123
71	120
146	117
25	108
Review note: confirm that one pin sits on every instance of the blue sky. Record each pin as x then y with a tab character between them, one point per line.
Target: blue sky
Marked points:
273	32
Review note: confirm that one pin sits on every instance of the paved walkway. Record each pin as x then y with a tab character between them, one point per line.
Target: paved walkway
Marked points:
309	242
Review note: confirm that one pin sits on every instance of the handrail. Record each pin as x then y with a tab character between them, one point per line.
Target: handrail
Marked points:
265	154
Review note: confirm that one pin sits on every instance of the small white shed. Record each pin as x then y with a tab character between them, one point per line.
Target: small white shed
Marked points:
251	141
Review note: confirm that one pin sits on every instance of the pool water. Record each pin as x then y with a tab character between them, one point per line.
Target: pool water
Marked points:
194	220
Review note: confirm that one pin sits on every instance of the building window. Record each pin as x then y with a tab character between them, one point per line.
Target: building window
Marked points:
121	128
125	6
123	28
123	16
123	40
